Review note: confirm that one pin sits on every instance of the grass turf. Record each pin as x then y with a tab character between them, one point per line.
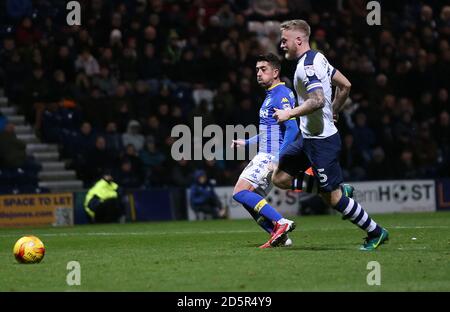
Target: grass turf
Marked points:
223	256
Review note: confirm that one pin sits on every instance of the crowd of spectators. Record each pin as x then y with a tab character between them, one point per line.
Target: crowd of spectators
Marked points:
110	91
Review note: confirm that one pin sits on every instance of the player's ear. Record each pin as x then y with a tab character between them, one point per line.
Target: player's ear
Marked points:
276	73
298	40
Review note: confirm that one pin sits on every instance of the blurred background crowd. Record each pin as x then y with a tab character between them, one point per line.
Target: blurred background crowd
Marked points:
108	92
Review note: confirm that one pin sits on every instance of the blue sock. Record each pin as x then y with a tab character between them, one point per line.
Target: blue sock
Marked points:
258	204
353	211
265	224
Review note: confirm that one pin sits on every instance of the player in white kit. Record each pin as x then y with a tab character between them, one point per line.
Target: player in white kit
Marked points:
321	144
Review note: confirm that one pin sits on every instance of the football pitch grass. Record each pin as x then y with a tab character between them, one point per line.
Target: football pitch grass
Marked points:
223	255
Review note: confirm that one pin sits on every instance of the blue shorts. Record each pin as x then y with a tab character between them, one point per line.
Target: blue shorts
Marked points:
321	154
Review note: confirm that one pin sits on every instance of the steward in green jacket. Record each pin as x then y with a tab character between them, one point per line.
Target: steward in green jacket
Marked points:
102	203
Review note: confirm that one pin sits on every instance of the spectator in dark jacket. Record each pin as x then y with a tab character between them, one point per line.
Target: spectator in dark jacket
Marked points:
99	160
150	155
12	149
181	173
351	160
379	168
113	138
203	197
364	136
126	177
406	166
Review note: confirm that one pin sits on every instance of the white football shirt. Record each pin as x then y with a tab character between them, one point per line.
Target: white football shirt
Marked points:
313	72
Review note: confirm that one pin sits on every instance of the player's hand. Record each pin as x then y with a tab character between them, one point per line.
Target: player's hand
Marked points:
281	115
237	143
335	117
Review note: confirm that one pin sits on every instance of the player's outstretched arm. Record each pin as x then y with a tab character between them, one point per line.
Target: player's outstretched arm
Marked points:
343	87
242	143
315	101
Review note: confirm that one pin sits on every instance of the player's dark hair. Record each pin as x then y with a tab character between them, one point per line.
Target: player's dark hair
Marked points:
270	58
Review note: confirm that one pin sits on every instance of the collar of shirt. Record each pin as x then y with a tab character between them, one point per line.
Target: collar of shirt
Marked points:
303	54
270	90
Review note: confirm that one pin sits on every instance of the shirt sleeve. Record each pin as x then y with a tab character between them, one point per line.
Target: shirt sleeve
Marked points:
315	72
253	140
285	100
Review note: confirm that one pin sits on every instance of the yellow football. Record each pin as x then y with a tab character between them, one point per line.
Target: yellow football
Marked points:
29	249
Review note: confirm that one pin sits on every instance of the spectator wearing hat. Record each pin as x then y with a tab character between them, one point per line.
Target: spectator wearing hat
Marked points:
133	135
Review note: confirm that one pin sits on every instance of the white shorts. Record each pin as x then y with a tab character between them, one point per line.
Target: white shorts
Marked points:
259	173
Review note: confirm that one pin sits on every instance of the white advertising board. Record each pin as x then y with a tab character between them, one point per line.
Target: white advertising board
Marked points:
396	195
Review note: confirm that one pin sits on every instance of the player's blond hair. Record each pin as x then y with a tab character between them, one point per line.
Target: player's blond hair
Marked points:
298	24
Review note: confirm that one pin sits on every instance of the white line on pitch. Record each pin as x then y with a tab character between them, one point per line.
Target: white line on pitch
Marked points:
132	233
201	232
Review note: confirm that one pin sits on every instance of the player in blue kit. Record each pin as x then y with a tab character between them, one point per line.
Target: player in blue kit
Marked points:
321	144
255	181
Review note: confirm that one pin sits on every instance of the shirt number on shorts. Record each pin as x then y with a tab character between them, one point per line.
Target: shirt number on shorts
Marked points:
322	177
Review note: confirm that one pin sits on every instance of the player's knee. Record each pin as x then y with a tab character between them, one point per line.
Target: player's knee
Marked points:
237	188
335	197
242	185
276	179
281	180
